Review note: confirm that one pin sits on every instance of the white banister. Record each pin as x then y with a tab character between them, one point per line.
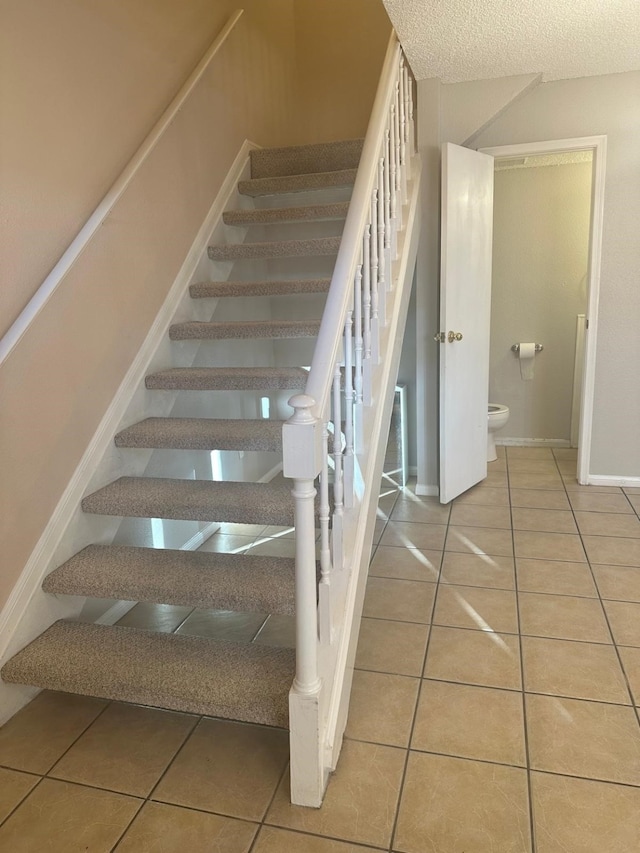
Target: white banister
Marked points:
75	249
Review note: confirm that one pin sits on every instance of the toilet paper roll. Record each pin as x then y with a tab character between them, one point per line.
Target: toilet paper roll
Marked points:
526	354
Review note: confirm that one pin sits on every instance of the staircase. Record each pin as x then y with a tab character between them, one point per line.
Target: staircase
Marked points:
188	673
326	237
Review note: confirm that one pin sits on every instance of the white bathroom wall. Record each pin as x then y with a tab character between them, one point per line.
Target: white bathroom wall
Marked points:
540	255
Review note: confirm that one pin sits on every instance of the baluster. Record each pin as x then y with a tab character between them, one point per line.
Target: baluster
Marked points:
412	129
396	139
393	197
349	400
324	517
387	198
366	307
403	131
338	483
384	272
407	112
375	301
358	392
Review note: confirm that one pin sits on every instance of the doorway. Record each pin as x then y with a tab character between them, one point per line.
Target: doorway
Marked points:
515	157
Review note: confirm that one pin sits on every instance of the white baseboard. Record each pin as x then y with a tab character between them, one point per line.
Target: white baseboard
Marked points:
533	442
605	480
427	491
19	621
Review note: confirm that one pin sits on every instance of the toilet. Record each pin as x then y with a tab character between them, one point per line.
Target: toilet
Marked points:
498	417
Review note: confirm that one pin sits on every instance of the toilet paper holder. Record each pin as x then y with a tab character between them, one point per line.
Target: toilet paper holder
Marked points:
516	347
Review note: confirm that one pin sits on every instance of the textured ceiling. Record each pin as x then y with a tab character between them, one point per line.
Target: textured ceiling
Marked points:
458	40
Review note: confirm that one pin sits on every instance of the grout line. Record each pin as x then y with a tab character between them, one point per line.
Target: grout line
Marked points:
532	829
403	777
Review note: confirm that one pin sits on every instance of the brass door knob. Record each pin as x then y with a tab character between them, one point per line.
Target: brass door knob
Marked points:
454	336
439	337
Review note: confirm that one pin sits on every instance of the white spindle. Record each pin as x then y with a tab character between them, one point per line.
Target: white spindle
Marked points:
407	112
375	295
366	307
387	197
412	130
403	131
393	196
358	382
396	140
324	517
338	481
384	265
349	400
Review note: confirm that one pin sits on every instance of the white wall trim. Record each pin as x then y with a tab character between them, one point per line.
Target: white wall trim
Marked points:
606	480
95	221
533	442
598	145
36	567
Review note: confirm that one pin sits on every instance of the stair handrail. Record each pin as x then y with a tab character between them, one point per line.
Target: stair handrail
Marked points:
79	243
329	340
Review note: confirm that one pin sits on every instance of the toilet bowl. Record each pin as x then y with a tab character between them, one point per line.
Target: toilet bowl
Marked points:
498	417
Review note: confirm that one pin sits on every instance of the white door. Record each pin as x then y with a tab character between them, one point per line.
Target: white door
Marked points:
465	314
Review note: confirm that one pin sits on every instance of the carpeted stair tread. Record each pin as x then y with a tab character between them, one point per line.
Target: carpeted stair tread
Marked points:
197	330
228	379
243	583
203	434
195	500
314	247
208	289
299	159
266	216
192	674
297	183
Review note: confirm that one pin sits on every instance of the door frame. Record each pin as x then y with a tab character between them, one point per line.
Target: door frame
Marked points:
598	146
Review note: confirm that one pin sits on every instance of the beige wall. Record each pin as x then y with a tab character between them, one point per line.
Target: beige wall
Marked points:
601	105
340	49
540	256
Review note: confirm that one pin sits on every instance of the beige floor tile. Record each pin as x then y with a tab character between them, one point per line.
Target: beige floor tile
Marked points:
410	564
404	601
484	495
222	543
618	582
613	550
163	618
548	546
272	532
474	607
599	502
360	801
577	670
169	829
576	488
477	515
480	540
539	499
232	529
278	630
561	577
395	647
549	481
378	530
407	534
496	480
223	625
584	816
564	617
589	739
425	510
543	520
565	452
631	663
14	787
540	453
36	737
474	657
624	618
381	707
273	548
454	804
476	570
228	768
63	818
608	524
534	466
126	750
274	840
471	722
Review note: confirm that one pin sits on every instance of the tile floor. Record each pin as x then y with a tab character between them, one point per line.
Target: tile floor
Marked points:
493	709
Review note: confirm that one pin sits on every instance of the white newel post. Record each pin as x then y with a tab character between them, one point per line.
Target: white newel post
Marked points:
302	462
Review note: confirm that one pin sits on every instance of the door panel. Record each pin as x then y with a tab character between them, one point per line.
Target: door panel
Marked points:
465	310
